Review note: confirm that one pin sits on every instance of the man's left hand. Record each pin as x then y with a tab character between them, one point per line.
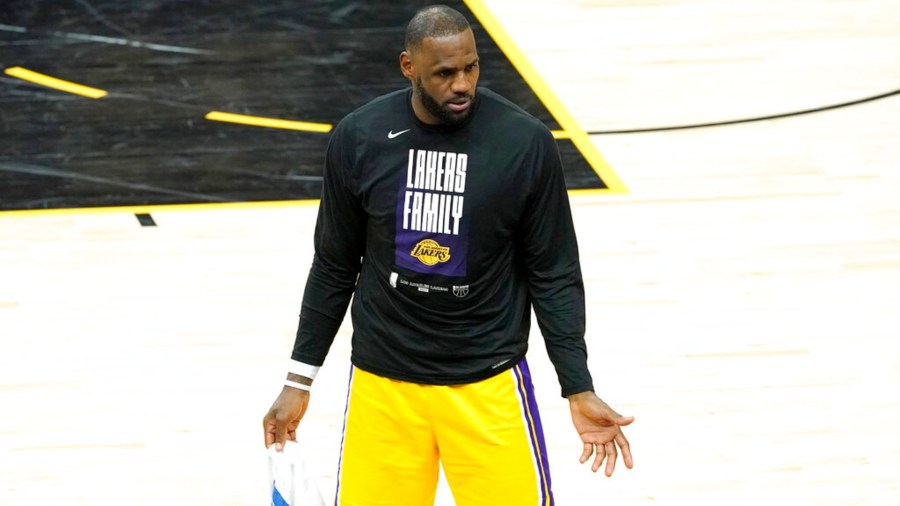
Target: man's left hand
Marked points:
600	429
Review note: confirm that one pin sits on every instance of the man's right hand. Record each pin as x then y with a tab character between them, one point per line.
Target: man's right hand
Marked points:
280	423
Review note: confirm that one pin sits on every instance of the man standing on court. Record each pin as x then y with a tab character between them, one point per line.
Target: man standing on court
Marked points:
444	215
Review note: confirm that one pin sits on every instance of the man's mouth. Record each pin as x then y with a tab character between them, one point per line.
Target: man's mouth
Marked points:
459	105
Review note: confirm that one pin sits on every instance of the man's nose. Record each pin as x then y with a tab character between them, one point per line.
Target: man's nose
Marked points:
461	83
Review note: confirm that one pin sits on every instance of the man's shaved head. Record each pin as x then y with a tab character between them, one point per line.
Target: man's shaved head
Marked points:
433	21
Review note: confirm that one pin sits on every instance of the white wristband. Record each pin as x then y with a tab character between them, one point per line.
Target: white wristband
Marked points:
306	370
294	384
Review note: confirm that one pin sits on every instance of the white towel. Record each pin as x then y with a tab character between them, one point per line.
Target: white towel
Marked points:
291	482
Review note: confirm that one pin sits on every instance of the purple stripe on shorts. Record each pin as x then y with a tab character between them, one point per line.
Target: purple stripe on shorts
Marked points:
337	490
535	432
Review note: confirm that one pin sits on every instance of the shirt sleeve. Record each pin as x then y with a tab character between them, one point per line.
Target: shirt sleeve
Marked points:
339	246
553	269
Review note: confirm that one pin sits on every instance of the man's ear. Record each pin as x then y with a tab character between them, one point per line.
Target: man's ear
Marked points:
406	66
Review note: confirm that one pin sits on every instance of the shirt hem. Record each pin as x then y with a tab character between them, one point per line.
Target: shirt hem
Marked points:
437	380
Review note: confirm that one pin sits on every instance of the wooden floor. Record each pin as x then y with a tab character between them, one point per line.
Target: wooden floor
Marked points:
744	295
153	132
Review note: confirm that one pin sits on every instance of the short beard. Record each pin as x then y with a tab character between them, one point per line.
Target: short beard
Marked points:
442	113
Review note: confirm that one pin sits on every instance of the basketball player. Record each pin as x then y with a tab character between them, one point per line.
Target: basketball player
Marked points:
444	215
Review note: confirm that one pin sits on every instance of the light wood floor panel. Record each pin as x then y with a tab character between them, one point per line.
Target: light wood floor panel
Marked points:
744	297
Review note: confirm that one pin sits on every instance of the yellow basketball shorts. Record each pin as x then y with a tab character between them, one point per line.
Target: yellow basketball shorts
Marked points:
486	435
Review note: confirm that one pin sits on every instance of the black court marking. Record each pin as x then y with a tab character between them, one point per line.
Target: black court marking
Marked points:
145	220
750	120
146	143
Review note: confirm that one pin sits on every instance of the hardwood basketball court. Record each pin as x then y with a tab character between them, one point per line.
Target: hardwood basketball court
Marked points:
743	281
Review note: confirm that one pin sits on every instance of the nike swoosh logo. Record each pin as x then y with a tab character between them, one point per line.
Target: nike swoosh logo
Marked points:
391	134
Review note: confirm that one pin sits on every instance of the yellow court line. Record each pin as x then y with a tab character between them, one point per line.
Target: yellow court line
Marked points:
158	208
574	131
57	84
268	122
560	134
587	192
200	206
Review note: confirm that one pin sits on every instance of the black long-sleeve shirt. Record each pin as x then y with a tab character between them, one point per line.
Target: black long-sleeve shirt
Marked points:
445	237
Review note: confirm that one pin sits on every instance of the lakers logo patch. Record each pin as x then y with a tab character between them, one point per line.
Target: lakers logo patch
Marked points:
430	252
